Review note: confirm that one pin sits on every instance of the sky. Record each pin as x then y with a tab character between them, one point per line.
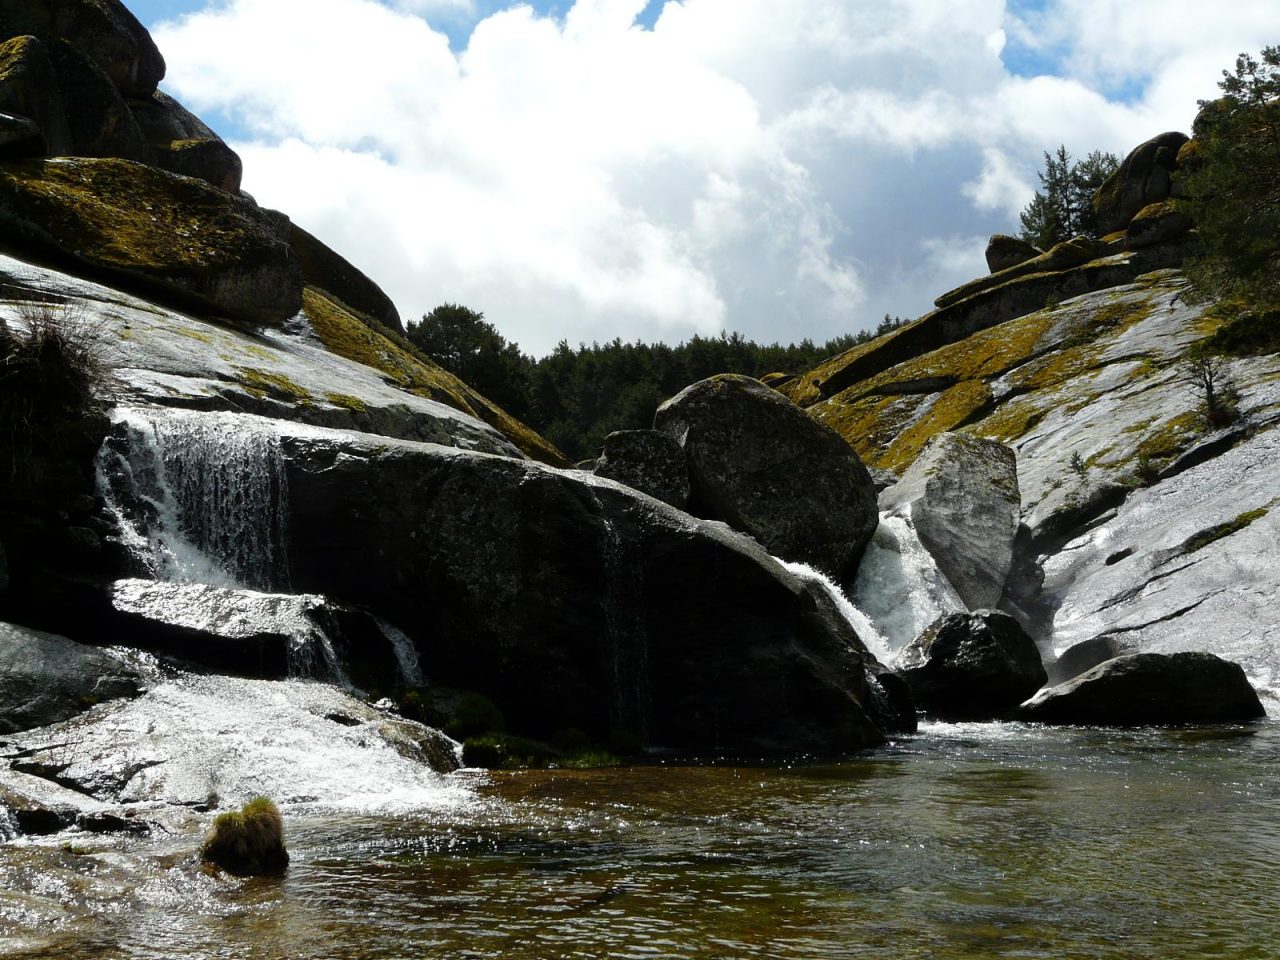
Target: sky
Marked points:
582	170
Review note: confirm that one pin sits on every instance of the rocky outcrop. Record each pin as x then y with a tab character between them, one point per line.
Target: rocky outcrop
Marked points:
45	678
573	602
99	121
763	466
962	497
648	461
1149	688
342	282
971	666
29	89
1145	177
1157	223
104	30
173	235
181	143
1004	251
1062	256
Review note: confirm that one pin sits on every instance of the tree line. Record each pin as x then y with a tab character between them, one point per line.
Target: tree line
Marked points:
576	396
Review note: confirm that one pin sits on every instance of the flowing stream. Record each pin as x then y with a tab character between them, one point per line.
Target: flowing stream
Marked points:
965	842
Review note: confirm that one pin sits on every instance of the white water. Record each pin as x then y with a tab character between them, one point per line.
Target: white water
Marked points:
405	652
224	740
862	625
899	588
200	496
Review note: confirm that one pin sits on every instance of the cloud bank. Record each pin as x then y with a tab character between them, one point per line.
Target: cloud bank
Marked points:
785	170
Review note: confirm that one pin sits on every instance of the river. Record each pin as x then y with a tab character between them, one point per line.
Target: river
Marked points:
966	841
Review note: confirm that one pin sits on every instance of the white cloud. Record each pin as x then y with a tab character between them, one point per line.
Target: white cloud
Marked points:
782	169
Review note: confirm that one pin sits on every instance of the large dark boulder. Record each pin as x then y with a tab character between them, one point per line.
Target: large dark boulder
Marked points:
182	143
1150	688
104	30
648	461
45	678
99	122
765	467
1145	177
1157	223
971	666
171	235
574	603
29	89
1004	251
962	495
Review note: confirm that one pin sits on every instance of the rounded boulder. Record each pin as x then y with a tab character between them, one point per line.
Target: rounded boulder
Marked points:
765	467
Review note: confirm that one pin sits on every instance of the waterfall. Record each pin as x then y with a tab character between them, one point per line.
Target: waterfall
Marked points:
200	496
406	653
899	587
866	630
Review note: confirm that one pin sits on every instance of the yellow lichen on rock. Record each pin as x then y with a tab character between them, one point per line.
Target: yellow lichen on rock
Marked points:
363	341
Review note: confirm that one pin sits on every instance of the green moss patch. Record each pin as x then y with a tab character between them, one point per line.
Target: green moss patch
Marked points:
261	383
367	342
1221	530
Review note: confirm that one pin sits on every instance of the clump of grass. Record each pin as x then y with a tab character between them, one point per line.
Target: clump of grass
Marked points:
248	842
54	370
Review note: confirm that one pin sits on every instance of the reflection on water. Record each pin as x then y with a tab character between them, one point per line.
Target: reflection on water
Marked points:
968	841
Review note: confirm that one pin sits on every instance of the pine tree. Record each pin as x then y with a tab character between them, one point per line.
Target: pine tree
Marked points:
1063	208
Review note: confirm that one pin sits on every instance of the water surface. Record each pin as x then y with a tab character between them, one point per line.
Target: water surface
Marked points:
968	841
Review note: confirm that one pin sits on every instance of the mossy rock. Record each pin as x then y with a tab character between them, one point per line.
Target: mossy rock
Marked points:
1145	177
1004	251
104	30
327	270
1062	256
1157	223
209	160
248	842
172	235
364	340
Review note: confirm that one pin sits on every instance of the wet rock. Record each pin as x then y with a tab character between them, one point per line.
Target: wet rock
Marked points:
248	842
1084	656
45	678
962	497
572	602
648	461
193	740
104	30
1004	251
760	464
245	632
143	226
327	270
1145	177
1150	688
971	666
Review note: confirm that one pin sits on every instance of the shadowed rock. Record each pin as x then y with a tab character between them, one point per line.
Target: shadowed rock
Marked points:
1004	251
762	465
1150	688
1145	177
971	666
648	461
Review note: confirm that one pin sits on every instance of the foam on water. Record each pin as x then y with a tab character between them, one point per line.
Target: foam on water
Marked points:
899	587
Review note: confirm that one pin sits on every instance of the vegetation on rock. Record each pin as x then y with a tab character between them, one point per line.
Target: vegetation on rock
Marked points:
1063	208
1233	187
248	842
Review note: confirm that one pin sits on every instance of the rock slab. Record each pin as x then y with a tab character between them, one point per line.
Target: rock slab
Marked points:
765	467
971	666
1150	689
962	495
45	678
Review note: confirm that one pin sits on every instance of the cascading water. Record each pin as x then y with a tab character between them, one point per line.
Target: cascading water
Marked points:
866	630
200	496
406	653
628	643
899	587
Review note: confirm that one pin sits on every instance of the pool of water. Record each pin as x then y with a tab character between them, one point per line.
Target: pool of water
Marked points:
967	841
